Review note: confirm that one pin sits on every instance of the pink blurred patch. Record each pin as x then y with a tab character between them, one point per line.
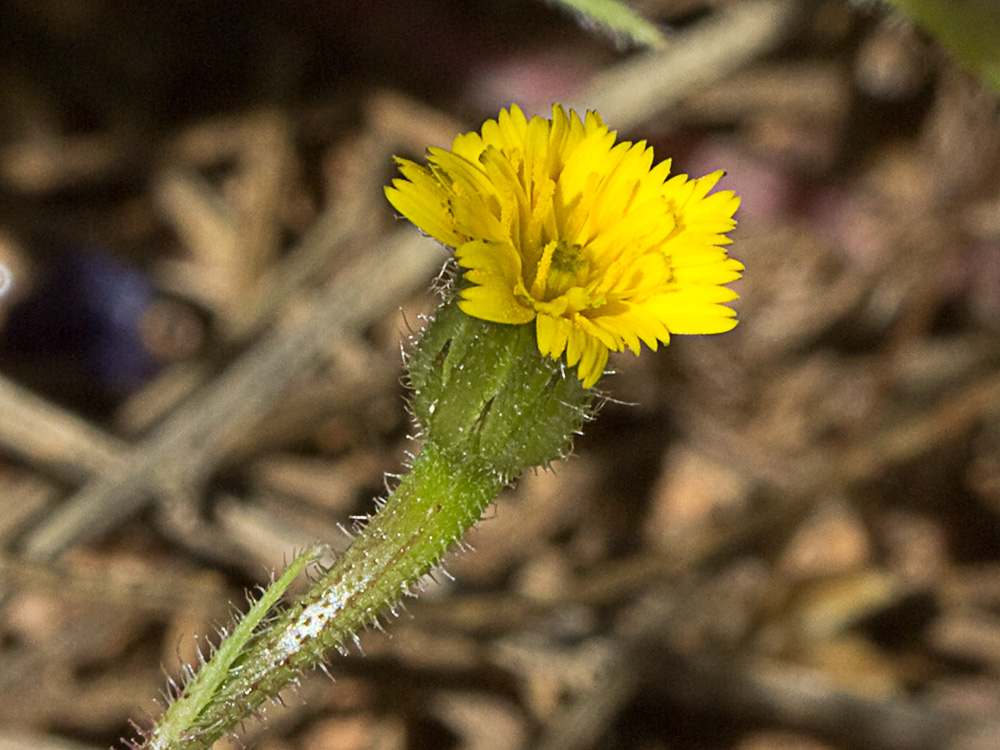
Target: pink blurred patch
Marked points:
533	79
769	194
854	229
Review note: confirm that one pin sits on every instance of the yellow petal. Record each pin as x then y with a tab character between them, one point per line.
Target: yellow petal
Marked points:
592	363
425	210
710	273
495	270
552	334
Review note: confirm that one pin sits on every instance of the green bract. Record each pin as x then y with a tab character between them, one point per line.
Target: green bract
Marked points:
483	393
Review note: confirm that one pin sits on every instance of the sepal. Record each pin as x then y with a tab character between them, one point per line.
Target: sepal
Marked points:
483	393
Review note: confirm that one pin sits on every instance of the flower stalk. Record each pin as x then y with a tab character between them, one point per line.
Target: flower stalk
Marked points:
571	245
489	405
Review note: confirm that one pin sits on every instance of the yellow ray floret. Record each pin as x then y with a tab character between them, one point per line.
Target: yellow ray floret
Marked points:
556	223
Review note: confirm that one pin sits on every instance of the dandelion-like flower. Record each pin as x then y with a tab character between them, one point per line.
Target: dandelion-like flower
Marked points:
556	224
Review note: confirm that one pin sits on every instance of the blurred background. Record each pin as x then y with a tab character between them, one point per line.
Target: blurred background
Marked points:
783	537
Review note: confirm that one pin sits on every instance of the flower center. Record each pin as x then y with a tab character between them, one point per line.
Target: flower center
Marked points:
561	267
561	281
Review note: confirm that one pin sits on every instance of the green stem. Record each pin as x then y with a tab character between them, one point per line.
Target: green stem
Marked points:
430	510
488	406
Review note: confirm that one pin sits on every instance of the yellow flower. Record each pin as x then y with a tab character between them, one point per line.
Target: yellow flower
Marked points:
555	223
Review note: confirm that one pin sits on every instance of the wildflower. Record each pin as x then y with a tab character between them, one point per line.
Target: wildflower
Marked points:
556	224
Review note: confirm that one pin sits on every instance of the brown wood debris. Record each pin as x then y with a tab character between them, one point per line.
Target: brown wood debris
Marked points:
783	537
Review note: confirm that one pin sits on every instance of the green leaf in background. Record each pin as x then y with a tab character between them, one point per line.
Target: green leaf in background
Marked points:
970	29
617	19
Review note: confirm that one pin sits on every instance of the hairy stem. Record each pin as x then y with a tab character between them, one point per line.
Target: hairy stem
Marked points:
430	510
488	406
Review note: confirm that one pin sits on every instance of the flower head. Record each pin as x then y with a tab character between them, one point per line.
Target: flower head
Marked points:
556	224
